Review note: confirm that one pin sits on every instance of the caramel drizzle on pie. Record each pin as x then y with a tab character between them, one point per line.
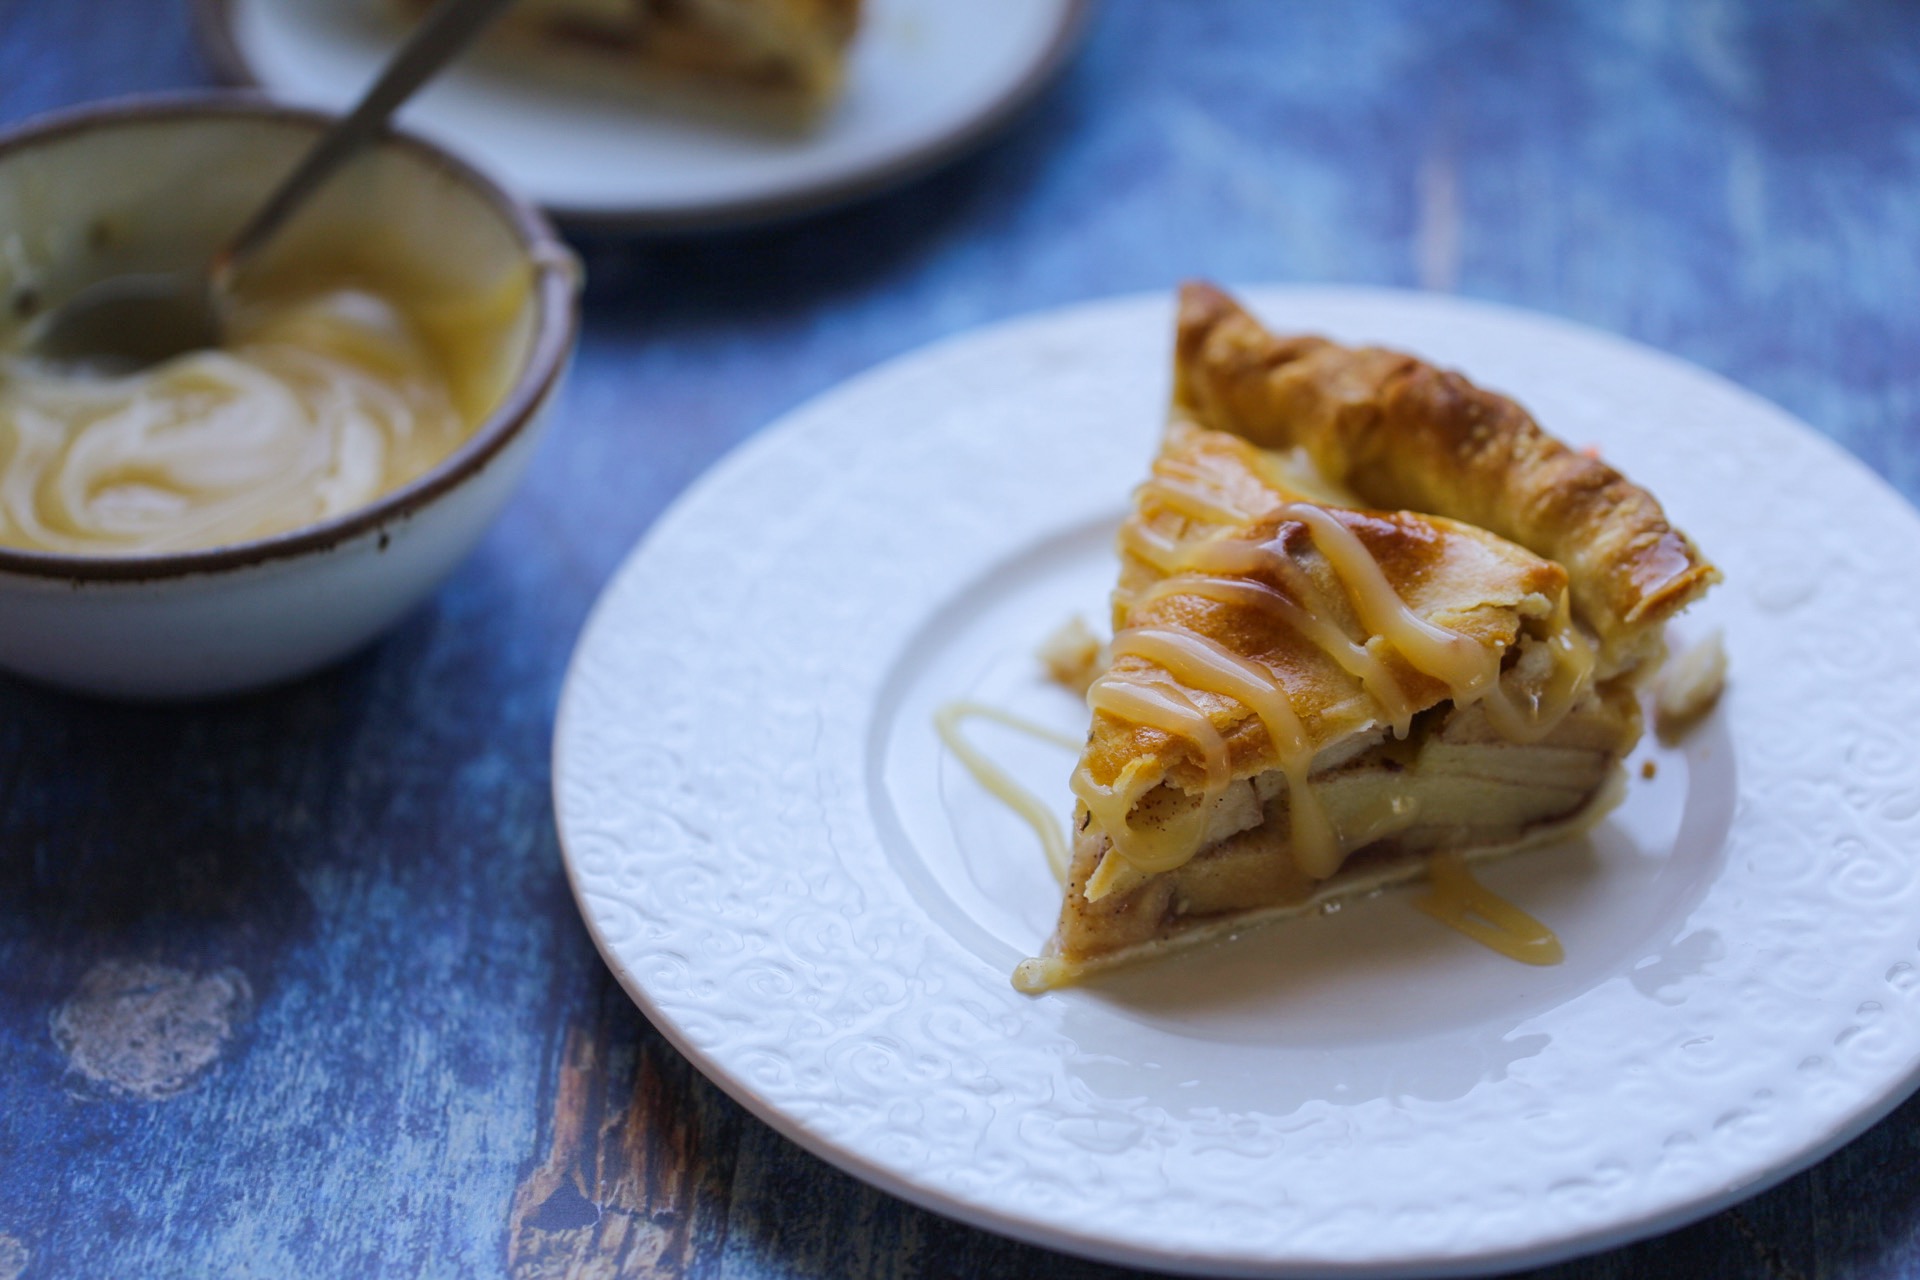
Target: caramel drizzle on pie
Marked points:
1573	662
1470	670
1202	664
1355	659
1191	500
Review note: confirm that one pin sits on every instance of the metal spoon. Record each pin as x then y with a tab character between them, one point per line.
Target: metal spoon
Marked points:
125	323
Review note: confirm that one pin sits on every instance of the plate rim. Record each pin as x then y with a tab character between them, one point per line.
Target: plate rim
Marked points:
1612	1234
214	27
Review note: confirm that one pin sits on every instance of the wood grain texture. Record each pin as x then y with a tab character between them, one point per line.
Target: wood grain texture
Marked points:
373	1038
638	1162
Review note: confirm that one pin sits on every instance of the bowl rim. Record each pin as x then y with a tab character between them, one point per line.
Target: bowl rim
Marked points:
556	326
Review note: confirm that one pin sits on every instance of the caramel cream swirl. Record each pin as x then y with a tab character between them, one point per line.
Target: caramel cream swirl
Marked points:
319	405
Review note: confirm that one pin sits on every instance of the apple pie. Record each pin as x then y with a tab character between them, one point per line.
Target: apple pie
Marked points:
1370	620
774	60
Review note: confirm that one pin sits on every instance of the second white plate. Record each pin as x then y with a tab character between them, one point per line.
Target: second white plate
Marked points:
784	870
926	79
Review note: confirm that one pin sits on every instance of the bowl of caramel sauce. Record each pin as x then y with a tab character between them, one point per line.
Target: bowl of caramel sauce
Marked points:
238	516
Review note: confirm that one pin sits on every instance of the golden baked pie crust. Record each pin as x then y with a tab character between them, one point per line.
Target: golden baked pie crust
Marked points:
1487	527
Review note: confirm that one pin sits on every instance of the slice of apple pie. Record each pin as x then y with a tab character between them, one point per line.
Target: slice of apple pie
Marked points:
1368	615
776	61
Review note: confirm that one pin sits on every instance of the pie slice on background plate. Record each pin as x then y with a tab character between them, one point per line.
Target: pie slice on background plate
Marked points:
1371	621
772	61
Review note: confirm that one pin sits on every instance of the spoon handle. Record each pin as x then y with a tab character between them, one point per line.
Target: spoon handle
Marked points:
449	28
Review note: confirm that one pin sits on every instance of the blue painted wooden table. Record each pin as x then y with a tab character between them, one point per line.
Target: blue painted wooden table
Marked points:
292	985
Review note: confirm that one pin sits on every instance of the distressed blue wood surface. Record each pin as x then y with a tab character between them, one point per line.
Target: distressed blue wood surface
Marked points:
375	1038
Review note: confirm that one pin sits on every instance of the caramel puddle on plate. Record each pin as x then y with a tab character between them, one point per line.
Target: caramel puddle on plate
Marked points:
1457	900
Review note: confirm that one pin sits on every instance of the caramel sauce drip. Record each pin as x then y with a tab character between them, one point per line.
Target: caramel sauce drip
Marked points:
1031	808
1162	707
1195	501
1111	806
1199	663
1462	664
1309	619
1158	550
1457	900
1470	670
1573	663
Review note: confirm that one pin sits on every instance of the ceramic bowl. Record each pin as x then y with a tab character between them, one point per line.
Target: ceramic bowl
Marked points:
154	184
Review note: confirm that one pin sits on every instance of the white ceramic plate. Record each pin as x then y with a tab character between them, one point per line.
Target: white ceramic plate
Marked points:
822	911
927	79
